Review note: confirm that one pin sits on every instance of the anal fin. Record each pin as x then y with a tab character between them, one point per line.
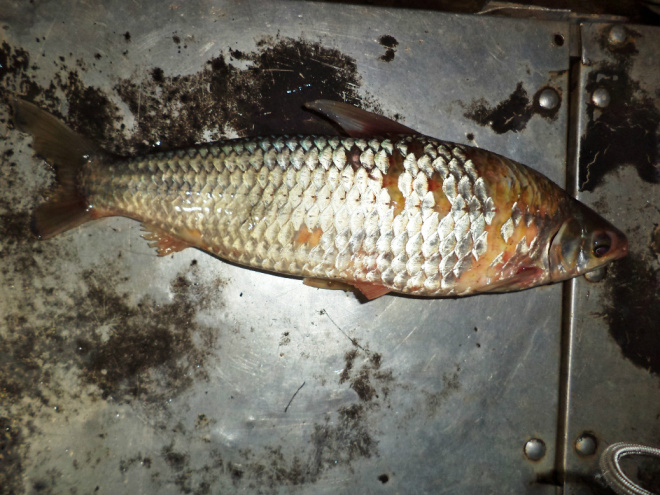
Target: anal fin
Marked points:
164	242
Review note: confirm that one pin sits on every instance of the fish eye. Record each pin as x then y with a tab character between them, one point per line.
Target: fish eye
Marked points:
602	244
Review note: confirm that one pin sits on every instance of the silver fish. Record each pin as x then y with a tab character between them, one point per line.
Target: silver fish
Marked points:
386	209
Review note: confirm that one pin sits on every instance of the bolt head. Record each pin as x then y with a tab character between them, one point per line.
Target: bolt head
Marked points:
535	449
586	444
548	99
601	98
617	35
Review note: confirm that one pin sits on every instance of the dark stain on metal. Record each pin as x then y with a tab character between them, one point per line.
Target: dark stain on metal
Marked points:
625	133
390	43
361	380
202	421
90	110
510	115
633	314
285	339
157	75
11	440
126	464
350	438
13	60
265	98
178	111
14	64
150	352
648	474
435	401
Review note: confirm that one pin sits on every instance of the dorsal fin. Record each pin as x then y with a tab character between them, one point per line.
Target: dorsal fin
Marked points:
356	122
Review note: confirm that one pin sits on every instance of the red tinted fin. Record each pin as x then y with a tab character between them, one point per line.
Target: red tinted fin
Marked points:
356	122
67	151
524	278
371	291
164	243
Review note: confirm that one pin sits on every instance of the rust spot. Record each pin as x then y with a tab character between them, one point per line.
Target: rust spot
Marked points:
311	238
391	182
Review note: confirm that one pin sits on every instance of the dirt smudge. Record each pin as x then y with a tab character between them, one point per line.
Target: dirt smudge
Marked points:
435	401
632	310
11	440
266	97
361	379
625	133
511	114
390	43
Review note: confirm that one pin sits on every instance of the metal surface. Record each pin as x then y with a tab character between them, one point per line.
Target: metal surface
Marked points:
189	375
279	384
613	345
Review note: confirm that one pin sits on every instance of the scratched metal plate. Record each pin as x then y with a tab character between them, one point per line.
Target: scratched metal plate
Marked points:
188	375
613	345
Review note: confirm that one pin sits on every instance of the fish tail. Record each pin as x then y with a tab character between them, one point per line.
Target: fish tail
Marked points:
67	151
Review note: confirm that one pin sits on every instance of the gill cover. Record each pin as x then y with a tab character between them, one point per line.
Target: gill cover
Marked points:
583	243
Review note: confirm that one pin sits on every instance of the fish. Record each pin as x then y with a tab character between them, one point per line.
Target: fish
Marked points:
381	209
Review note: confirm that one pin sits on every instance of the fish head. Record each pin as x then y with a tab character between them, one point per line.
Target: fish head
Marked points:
583	243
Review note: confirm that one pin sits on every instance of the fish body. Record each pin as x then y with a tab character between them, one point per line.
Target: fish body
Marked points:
404	213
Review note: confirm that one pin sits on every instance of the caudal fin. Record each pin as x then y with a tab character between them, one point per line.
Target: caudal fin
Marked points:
67	152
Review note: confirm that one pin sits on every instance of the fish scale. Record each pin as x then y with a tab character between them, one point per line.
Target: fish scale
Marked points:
378	210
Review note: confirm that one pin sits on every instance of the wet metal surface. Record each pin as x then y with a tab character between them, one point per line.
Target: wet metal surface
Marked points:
189	375
614	384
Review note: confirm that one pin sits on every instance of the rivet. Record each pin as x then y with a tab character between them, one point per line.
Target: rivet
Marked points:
548	99
586	444
535	449
617	35
601	97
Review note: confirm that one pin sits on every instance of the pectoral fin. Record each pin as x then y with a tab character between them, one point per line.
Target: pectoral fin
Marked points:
525	277
368	290
324	283
371	291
